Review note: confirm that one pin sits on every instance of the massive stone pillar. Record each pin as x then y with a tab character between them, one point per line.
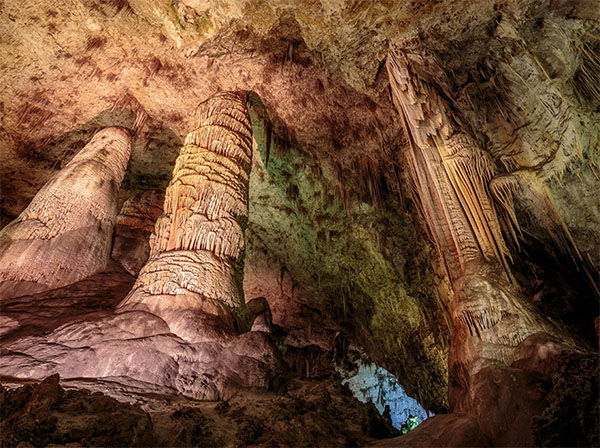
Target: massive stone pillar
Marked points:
492	319
65	233
176	328
193	274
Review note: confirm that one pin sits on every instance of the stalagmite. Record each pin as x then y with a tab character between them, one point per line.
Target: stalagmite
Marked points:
135	224
65	233
199	238
175	329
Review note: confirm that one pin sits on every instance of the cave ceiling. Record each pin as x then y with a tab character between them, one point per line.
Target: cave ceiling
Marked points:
69	67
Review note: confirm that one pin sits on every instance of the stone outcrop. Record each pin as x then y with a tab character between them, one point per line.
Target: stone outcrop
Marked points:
445	430
135	224
65	234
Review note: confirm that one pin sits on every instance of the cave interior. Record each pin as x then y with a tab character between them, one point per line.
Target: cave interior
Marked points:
321	223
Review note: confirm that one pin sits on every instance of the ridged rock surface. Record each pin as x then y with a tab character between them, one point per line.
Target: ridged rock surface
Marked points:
65	234
332	233
199	238
135	224
451	176
176	327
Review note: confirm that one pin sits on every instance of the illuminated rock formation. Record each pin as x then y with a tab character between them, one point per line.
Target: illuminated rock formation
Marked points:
450	174
199	238
451	177
175	330
135	224
65	233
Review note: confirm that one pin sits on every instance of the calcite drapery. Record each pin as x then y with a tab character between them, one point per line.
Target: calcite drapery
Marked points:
451	176
65	233
449	172
492	320
199	238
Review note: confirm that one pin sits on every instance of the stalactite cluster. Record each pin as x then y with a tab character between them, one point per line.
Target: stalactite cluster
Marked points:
449	172
451	177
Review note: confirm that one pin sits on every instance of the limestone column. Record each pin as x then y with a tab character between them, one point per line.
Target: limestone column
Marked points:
65	233
193	277
451	176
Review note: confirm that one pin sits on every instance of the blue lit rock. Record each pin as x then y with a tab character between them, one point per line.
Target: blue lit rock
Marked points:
377	385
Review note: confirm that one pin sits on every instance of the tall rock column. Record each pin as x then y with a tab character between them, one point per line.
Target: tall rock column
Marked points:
451	176
65	233
193	278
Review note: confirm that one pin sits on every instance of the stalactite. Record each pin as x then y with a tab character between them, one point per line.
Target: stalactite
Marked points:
451	179
65	233
586	80
200	236
449	174
536	195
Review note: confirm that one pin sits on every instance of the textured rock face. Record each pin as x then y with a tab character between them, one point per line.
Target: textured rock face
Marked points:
451	177
175	329
43	414
38	314
458	193
449	430
65	234
333	244
135	224
199	238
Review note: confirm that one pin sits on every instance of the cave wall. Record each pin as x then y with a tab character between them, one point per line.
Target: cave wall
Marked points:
364	268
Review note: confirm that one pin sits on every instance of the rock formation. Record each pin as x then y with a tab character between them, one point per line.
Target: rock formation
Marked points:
192	273
65	234
176	327
135	224
46	413
451	179
455	244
